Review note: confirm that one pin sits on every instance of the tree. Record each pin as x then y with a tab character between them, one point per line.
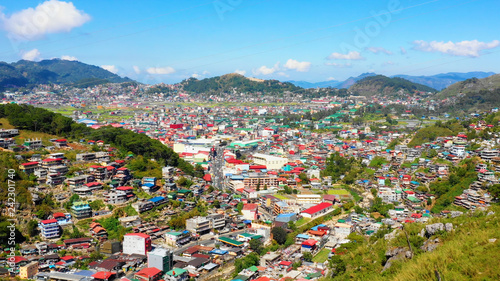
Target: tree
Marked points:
32	228
307	256
347	205
303	178
279	235
337	265
96	205
239	207
216	204
495	190
358	209
255	244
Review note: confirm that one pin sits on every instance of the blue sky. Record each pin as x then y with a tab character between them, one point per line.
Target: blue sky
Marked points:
168	41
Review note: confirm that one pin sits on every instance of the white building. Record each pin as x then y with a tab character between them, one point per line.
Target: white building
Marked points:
271	162
136	243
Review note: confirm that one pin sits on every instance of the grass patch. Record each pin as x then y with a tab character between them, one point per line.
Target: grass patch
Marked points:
302	221
322	256
5	124
24	135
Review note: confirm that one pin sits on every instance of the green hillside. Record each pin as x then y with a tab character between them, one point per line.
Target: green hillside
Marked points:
233	82
25	73
470	251
472	85
383	85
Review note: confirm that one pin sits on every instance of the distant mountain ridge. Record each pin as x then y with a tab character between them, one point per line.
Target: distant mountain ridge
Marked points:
443	80
56	71
438	81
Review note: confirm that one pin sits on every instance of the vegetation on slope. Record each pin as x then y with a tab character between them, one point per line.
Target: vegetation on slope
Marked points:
235	82
25	73
381	84
27	117
466	253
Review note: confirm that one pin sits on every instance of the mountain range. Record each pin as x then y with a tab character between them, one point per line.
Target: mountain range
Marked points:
24	73
438	81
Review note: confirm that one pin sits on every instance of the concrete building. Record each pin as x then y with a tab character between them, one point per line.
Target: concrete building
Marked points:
29	270
198	225
250	211
81	210
49	229
318	210
217	221
136	243
271	162
161	258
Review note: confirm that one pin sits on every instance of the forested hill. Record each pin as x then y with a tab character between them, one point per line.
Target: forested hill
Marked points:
25	73
236	83
26	117
383	85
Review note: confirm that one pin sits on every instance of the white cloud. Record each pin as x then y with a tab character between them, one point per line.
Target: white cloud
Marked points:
330	79
205	72
339	65
51	16
69	58
195	75
33	55
110	68
283	74
137	70
240	72
352	55
387	63
160	70
463	48
403	50
264	70
299	66
377	50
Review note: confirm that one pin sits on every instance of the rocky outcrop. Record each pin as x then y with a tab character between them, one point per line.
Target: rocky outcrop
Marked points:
430	245
455	214
432	229
395	254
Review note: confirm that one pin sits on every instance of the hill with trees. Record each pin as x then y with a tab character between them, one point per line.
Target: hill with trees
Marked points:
383	85
26	117
472	85
236	83
55	71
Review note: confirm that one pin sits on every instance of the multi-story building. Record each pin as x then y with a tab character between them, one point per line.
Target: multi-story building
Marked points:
198	225
115	197
260	180
60	169
29	168
99	172
136	243
49	229
78	181
33	143
85	157
51	162
161	258
28	271
81	210
271	162
142	206
54	179
217	221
